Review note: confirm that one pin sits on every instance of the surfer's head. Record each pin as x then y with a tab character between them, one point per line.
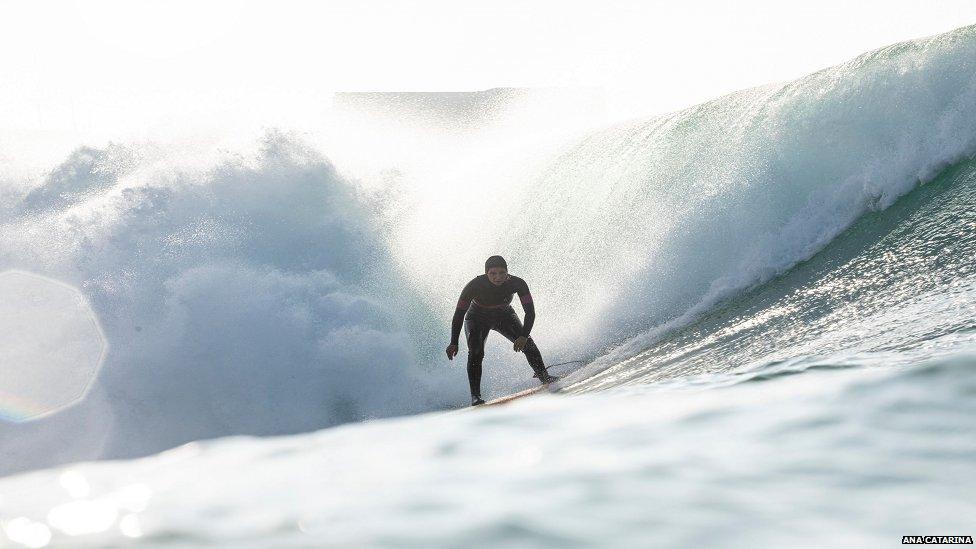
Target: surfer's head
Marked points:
496	269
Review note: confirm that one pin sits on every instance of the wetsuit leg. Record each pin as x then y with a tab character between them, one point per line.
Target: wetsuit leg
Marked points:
475	331
510	326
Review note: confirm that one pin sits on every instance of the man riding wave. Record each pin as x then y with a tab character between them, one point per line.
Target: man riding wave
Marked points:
484	305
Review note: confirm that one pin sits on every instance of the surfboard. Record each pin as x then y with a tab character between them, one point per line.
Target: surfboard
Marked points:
547	388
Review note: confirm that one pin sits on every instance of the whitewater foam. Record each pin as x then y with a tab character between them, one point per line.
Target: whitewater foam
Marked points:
256	296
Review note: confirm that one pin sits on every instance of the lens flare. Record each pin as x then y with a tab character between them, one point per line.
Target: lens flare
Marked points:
51	343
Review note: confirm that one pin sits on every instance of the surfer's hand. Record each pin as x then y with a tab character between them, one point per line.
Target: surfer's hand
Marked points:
520	344
451	351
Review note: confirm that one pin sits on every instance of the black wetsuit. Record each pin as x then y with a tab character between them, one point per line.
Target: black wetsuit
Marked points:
488	308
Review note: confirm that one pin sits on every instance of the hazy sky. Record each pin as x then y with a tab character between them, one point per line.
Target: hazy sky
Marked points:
85	66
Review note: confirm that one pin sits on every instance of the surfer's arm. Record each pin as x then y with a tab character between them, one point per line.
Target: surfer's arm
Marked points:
526	298
456	323
462	307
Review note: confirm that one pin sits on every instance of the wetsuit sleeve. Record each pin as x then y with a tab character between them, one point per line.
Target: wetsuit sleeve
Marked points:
528	307
462	307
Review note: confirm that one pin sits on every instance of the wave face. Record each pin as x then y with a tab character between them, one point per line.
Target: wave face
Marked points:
897	286
643	227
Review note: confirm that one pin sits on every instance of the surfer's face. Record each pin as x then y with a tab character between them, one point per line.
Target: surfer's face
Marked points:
497	275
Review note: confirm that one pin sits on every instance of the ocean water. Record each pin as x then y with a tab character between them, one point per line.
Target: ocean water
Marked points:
773	294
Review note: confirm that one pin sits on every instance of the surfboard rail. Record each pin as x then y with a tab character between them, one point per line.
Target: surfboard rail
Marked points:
548	387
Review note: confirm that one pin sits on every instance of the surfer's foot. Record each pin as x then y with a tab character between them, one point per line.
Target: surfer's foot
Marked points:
546	378
476	401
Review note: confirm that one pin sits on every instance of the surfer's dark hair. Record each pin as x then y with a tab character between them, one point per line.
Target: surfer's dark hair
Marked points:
495	261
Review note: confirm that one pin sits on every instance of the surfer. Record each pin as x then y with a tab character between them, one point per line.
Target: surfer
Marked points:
484	306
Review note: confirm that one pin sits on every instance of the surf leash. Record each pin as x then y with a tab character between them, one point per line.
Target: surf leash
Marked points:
565	363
